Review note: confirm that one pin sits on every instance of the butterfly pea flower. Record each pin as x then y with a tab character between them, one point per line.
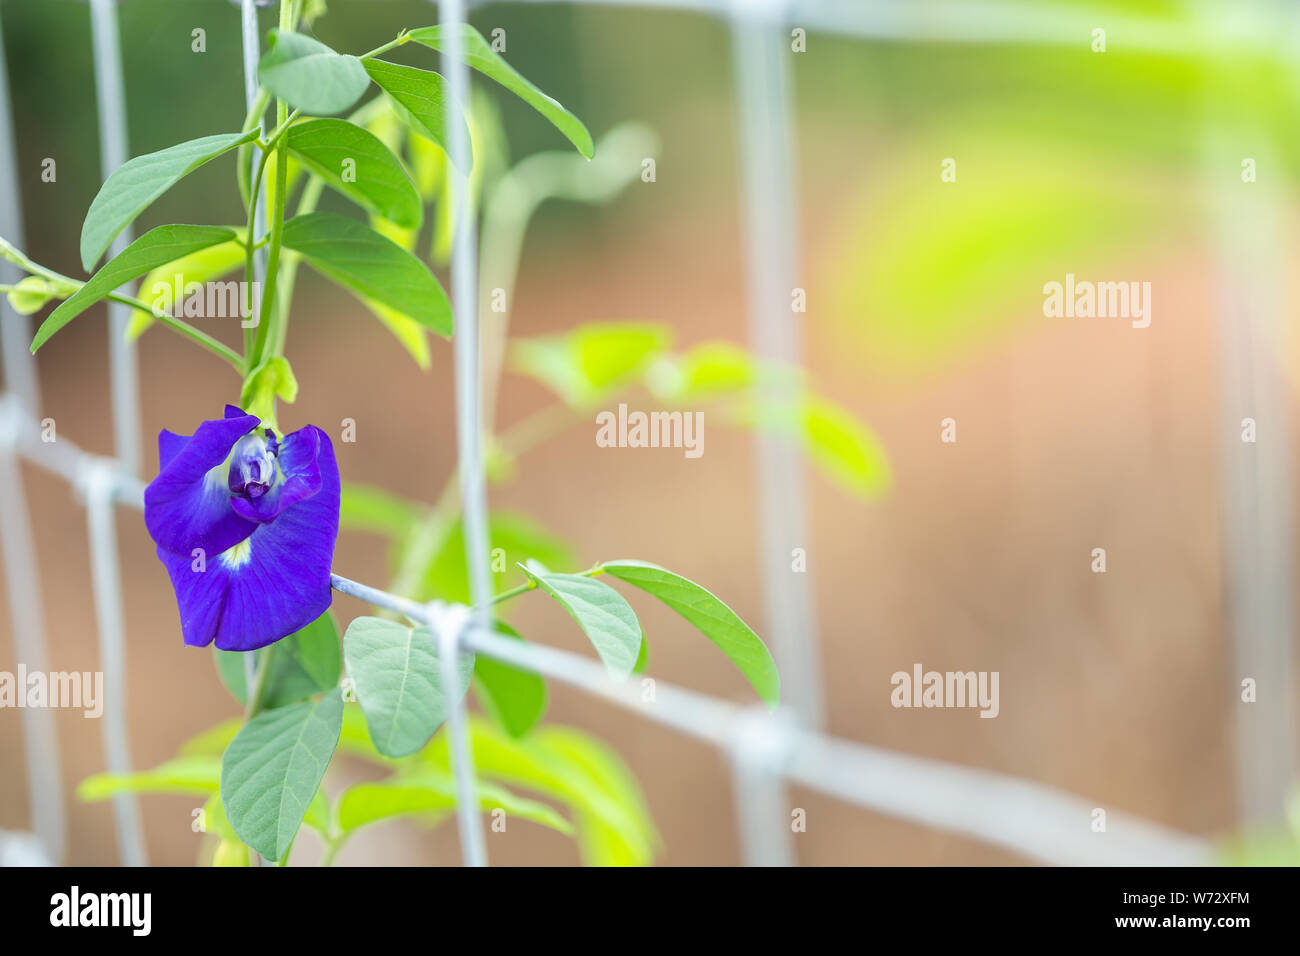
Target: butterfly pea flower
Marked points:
245	522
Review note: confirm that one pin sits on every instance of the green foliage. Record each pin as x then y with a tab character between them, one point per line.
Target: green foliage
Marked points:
32	293
198	775
202	266
367	508
595	362
357	164
230	850
582	366
364	262
273	767
602	613
309	76
962	264
397	675
154	248
135	184
614	825
263	777
303	664
715	620
432	793
419	98
480	55
514	698
517	535
272	380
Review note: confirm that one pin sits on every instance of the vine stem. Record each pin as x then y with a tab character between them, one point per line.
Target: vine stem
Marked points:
256	692
216	347
594	571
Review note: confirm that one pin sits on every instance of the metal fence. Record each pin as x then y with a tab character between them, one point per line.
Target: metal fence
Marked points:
765	751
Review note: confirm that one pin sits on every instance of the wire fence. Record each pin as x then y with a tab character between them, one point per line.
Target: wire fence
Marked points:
766	751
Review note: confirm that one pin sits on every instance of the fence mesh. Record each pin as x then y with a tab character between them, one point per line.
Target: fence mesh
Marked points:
765	751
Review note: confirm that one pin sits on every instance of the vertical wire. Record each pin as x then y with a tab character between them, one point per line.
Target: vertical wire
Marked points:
23	592
106	580
111	102
767	168
15	329
1258	478
758	751
252	53
22	578
469	435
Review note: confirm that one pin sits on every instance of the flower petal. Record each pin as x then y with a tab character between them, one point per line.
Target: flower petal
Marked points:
302	477
186	507
272	584
169	446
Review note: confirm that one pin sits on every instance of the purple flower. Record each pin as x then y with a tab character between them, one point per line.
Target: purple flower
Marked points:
245	522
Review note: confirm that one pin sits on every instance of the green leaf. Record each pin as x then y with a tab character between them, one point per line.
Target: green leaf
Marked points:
715	620
169	281
135	184
213	741
607	620
355	256
514	698
154	248
582	365
480	55
305	663
32	293
309	76
643	657
273	768
367	508
356	163
845	449
192	775
430	791
614	825
420	98
398	681
709	370
597	772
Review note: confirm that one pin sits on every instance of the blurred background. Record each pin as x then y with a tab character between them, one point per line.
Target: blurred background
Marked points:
924	303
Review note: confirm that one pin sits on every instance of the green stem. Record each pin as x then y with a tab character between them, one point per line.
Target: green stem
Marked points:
257	109
332	848
594	571
401	38
514	592
257	693
217	348
220	349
